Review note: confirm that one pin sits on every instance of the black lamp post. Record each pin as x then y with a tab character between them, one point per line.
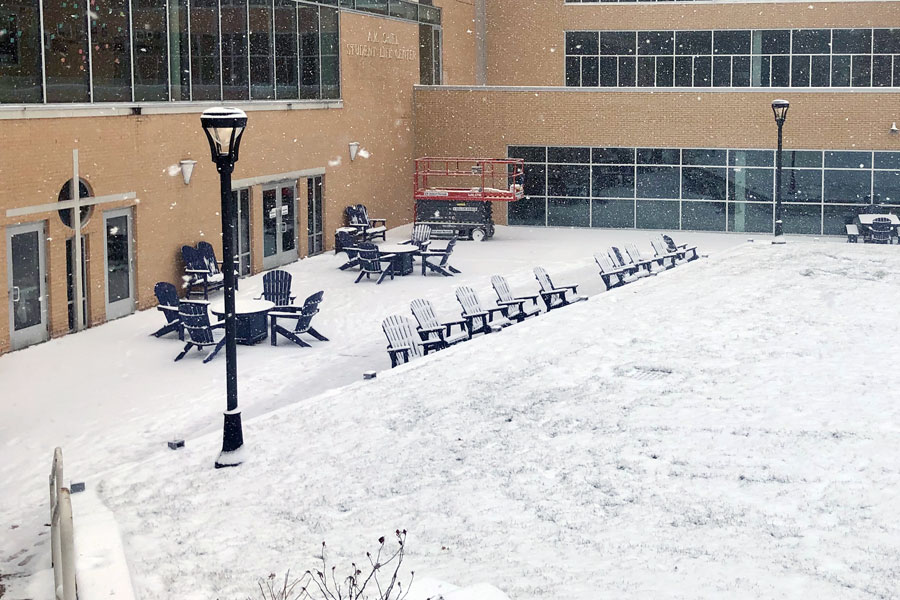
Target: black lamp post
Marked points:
224	128
780	108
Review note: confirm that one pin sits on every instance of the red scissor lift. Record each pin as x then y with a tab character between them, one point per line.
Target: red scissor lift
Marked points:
454	195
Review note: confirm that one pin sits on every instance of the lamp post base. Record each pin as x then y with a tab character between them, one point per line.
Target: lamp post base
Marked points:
232	441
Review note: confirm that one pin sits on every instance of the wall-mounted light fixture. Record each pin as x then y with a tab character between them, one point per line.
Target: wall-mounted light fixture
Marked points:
187	167
894	128
354	150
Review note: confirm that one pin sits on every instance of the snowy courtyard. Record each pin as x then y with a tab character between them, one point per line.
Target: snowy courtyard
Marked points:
728	428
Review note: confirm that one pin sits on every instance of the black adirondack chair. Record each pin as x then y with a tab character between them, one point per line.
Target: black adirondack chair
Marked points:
209	256
478	319
167	296
645	263
347	244
367	228
302	315
555	297
661	250
431	329
195	320
277	288
623	260
689	252
612	275
442	266
200	281
517	309
403	343
881	230
420	236
371	262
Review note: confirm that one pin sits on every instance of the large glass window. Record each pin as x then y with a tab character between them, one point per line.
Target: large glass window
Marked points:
286	65
110	51
262	39
329	19
66	53
179	50
150	48
235	84
206	82
20	51
308	25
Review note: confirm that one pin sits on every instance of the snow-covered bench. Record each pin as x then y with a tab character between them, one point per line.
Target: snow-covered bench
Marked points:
852	233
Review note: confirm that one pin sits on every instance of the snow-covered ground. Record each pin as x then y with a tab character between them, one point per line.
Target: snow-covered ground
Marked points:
724	429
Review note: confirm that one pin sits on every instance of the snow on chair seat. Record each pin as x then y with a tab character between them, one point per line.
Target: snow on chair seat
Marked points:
852	233
479	320
403	343
612	275
505	298
430	328
555	297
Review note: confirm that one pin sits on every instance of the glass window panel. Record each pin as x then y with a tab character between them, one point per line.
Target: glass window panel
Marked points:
566	212
848	160
812	41
751	158
881	71
722	71
262	76
798	218
374	6
665	71
751	185
329	19
535	180
761	71
750	218
20	52
693	42
840	71
772	41
697	156
205	73
582	43
658	156
848	187
887	160
612	213
646	72
612	181
684	71
528	211
627	70
111	52
426	58
616	156
657	214
800	71
65	47
820	72
887	187
308	24
556	154
402	10
656	42
234	49
702	71
781	71
703	183
886	41
801	158
740	71
608	74
897	71
590	71
151	70
529	153
573	71
703	216
617	42
801	186
569	180
862	71
852	41
658	182
836	218
286	65
731	42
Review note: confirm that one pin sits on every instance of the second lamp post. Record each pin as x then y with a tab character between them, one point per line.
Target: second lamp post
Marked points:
780	108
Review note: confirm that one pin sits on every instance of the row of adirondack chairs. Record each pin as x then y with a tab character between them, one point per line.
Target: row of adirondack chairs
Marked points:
406	340
618	268
192	318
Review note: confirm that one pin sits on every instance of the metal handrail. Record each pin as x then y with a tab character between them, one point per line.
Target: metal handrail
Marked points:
62	543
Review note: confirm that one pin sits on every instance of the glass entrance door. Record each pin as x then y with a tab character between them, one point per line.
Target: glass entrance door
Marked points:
118	261
316	240
27	286
241	198
279	224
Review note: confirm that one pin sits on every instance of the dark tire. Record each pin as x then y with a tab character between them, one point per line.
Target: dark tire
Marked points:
478	234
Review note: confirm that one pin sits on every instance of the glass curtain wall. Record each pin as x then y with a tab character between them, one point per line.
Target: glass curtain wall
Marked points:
21	79
702	189
734	58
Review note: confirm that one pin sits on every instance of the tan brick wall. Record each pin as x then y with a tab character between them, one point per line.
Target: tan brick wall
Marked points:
458	29
135	153
526	40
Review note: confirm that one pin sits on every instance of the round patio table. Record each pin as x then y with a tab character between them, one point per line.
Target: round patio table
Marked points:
250	318
403	256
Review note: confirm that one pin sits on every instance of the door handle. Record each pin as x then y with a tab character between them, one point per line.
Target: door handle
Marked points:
15	293
284	228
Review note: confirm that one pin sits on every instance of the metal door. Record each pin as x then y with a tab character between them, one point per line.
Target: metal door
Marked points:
118	262
314	231
26	265
279	224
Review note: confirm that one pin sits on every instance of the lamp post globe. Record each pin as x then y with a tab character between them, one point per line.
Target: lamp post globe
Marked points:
224	128
780	110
